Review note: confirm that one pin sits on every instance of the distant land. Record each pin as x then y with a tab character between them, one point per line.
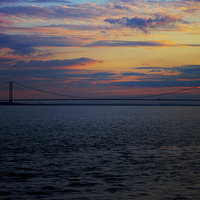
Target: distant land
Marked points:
104	102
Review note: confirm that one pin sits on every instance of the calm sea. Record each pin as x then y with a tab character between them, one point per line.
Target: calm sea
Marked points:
99	152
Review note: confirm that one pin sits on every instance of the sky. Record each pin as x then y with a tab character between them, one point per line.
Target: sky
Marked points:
100	49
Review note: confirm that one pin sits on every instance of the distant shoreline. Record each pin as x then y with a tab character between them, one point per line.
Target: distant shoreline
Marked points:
94	104
102	102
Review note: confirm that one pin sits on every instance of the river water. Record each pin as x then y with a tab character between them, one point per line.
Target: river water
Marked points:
99	152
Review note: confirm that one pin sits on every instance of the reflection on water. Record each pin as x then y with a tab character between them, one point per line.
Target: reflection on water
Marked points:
103	152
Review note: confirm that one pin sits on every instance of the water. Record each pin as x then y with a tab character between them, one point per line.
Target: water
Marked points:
99	152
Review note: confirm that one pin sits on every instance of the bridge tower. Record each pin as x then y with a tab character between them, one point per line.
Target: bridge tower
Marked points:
10	91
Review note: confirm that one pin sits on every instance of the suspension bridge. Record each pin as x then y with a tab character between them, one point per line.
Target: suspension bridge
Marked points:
72	100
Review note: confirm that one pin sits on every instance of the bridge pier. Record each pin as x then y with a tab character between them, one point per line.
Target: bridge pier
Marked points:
10	91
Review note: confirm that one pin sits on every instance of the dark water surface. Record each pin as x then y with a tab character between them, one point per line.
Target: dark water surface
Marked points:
99	152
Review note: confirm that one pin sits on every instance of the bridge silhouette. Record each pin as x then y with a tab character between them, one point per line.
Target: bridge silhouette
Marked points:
12	101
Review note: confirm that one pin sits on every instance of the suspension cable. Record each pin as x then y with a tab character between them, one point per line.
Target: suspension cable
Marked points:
176	91
3	84
54	93
64	95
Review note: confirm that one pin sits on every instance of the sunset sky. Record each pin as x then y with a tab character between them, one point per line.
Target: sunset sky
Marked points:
111	48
